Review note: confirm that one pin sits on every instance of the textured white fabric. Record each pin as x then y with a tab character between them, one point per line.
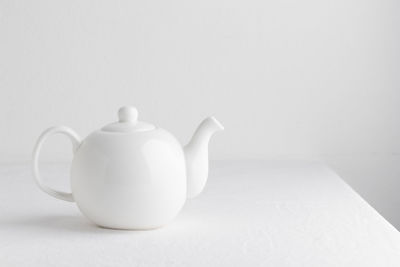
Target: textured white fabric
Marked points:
254	213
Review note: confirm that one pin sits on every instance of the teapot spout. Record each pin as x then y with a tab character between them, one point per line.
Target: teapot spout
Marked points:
196	154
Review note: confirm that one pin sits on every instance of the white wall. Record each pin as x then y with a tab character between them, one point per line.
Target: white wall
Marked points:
307	79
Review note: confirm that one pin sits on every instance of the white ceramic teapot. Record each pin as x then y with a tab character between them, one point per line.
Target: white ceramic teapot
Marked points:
131	174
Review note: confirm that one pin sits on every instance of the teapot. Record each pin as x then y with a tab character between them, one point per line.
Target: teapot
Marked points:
131	174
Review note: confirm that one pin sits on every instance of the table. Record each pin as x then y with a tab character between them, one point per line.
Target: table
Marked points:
251	213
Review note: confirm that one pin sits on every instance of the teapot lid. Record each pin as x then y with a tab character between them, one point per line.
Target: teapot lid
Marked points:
128	122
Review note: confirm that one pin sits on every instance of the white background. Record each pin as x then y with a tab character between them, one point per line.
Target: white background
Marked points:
288	79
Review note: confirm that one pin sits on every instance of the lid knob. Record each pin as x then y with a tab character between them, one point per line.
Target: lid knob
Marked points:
128	114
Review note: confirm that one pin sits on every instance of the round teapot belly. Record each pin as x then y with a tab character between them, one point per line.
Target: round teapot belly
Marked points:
127	184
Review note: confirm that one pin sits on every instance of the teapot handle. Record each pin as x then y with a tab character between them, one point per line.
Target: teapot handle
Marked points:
75	139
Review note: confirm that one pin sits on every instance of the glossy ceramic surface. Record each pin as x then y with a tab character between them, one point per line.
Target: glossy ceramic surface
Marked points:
135	180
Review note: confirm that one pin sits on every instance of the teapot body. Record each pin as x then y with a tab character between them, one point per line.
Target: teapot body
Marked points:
129	180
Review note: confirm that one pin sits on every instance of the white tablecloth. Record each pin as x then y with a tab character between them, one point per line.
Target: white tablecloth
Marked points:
254	213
